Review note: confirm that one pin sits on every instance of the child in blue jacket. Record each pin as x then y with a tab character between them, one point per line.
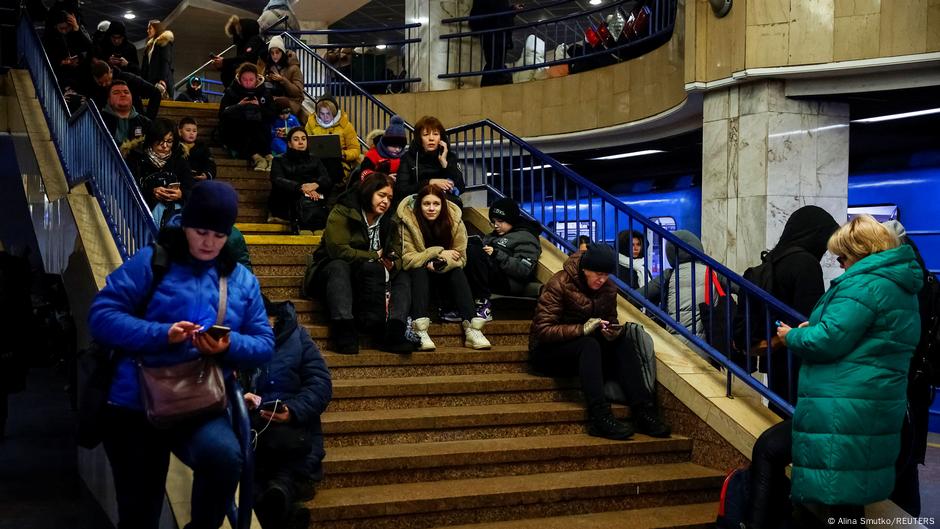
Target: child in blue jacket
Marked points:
283	123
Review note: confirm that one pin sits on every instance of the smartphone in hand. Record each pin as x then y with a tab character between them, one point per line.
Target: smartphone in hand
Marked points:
217	332
273	406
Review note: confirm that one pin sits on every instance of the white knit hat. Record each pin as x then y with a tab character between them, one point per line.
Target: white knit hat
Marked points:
103	26
276	42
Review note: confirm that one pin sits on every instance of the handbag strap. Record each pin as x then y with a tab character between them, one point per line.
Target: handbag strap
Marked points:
223	299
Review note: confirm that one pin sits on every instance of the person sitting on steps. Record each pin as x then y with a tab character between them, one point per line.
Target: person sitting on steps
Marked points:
504	261
356	261
576	331
245	115
299	184
434	251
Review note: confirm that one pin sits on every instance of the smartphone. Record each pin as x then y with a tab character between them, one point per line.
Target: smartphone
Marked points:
614	326
778	323
174	185
217	331
276	406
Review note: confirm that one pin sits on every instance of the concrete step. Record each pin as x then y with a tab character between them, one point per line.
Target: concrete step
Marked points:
386	393
445	423
251	217
426	504
249	184
370	363
498	332
352	466
689	516
263	228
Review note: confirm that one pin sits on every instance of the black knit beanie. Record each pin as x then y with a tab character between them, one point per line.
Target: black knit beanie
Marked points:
212	205
506	209
599	258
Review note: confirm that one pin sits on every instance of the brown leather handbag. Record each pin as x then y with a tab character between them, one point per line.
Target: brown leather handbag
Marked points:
176	393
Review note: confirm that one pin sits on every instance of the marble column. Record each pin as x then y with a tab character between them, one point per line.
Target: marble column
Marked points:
763	157
432	54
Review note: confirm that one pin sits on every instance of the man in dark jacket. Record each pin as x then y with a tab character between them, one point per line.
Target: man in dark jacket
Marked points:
504	261
494	43
287	396
117	51
119	115
68	47
103	75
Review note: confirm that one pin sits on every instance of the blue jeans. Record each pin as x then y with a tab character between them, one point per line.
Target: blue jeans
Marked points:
140	456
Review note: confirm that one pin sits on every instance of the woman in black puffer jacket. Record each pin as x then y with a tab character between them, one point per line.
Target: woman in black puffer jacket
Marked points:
299	183
429	161
296	384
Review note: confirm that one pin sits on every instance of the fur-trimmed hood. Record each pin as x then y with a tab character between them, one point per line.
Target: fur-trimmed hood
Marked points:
373	137
162	39
241	28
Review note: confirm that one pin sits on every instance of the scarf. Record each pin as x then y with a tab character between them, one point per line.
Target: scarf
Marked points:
158	160
331	124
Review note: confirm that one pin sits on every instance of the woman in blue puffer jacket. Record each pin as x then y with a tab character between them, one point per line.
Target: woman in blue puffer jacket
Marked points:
164	330
289	393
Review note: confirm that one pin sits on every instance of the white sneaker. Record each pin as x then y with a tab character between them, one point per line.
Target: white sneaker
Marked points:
420	327
473	331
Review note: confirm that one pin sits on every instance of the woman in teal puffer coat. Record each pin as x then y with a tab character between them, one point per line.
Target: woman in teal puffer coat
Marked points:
856	349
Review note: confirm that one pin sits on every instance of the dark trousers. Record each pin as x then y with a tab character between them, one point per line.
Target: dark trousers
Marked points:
246	137
453	282
913	443
140	456
359	290
770	487
494	45
779	380
483	274
596	360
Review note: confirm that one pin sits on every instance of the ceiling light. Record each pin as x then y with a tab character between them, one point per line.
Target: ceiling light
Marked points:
381	46
130	16
902	115
595	2
628	154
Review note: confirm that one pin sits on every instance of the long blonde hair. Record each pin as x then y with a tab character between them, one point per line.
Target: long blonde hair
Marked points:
861	237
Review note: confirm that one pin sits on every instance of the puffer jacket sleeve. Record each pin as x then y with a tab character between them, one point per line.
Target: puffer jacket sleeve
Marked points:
548	314
316	385
453	172
351	149
112	319
338	236
292	82
460	244
521	262
280	180
837	328
253	343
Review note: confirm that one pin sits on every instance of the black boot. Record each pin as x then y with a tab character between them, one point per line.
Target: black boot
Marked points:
647	421
394	340
345	338
272	505
601	423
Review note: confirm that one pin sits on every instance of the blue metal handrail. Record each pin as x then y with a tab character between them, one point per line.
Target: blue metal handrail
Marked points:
489	153
89	155
398	44
363	110
551	193
568	31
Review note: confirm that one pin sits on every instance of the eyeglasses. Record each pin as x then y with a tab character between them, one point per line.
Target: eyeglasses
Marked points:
168	142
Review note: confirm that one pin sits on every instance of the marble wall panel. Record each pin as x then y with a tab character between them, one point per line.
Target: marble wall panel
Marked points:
760	12
752	155
715	105
832	156
779	209
715	172
751	232
767	45
856	37
754	98
811	27
786	144
903	27
715	233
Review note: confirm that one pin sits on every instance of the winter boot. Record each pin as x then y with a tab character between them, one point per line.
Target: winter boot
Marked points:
345	338
394	340
647	421
420	327
473	330
602	423
268	160
259	162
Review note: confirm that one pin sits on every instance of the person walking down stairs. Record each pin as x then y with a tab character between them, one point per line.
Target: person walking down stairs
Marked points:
575	331
434	251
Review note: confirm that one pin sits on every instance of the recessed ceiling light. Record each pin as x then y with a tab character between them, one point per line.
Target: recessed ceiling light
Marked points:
628	154
596	2
902	115
381	46
130	16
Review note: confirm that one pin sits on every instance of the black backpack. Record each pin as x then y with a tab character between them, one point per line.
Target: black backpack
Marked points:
926	360
761	275
735	501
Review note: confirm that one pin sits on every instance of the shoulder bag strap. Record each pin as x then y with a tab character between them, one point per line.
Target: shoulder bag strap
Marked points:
223	299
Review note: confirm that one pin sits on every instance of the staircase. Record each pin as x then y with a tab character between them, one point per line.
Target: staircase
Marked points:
458	437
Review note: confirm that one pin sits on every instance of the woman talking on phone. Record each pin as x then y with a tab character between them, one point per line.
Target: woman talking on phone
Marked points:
157	320
429	161
161	170
434	251
575	331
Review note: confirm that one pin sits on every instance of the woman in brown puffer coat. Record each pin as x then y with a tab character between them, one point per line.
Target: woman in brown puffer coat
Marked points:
281	69
575	332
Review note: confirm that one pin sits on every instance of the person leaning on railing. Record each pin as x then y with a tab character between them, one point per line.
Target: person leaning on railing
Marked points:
164	332
677	281
575	331
856	348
